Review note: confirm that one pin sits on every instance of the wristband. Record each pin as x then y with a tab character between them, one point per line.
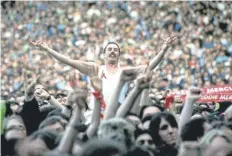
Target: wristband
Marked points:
97	95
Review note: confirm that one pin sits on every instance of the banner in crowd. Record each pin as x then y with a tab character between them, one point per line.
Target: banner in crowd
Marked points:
217	93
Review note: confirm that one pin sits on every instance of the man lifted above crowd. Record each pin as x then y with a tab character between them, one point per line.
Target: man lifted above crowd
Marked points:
109	71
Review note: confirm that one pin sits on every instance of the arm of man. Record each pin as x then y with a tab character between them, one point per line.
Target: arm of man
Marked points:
87	68
92	129
96	84
155	61
141	83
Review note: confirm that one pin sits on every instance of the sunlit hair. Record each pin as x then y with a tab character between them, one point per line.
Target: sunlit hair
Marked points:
117	129
209	136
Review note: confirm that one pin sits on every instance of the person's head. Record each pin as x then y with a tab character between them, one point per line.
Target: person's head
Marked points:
53	123
146	121
112	53
37	143
61	97
133	118
38	89
217	137
14	106
159	91
204	109
163	128
57	112
147	110
100	147
144	140
15	128
117	129
194	129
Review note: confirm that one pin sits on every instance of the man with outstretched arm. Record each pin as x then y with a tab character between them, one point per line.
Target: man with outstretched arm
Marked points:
109	71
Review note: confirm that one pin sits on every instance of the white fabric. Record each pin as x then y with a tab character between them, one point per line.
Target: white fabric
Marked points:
108	82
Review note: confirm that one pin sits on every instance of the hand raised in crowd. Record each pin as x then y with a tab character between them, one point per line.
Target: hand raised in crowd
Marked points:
41	93
228	114
193	94
40	44
143	81
128	74
73	82
96	83
78	97
169	40
29	86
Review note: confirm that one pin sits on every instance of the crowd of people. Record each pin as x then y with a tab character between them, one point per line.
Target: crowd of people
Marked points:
91	78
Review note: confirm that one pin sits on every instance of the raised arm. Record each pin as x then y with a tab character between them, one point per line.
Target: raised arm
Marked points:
125	75
78	97
192	95
29	87
96	83
88	68
141	83
158	58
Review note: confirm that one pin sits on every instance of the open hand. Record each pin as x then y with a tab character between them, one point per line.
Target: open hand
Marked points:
40	44
169	40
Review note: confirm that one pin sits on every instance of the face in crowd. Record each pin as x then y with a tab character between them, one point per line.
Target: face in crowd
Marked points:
15	128
144	141
112	53
164	129
38	90
61	98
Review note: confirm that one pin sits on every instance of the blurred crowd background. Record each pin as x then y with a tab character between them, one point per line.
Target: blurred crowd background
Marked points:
201	56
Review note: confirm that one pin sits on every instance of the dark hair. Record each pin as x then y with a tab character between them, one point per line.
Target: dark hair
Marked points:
153	105
155	123
48	136
112	43
193	130
50	121
57	112
146	118
131	114
60	94
100	147
139	132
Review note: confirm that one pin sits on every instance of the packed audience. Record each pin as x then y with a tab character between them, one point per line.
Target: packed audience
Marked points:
49	108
